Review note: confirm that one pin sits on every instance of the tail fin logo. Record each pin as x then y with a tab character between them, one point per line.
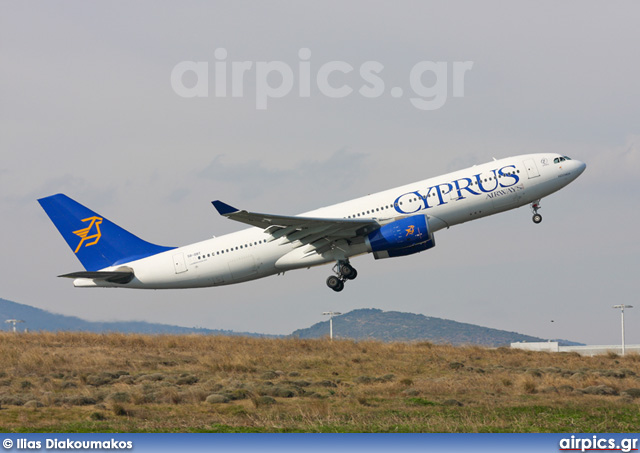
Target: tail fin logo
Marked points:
84	232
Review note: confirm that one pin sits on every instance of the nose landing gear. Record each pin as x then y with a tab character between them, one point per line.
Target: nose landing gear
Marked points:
344	271
537	218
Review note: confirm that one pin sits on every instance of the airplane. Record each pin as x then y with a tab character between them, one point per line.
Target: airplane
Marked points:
393	223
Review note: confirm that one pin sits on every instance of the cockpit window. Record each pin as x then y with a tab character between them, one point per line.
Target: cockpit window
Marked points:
557	160
567	157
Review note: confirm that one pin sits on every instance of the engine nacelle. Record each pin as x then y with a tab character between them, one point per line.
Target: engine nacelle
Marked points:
402	237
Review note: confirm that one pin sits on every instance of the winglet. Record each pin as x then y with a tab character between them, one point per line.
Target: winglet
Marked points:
223	208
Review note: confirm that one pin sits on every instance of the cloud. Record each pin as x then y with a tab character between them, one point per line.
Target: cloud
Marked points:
627	157
75	186
178	195
320	181
620	163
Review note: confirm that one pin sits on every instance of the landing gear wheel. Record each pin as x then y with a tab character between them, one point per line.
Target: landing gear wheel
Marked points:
344	271
347	272
335	283
537	218
354	274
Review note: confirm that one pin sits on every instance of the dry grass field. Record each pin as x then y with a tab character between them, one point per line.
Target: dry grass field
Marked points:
78	382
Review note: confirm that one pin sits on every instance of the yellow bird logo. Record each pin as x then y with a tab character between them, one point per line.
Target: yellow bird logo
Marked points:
84	232
410	230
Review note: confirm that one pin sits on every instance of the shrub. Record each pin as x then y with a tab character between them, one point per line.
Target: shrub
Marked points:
217	398
120	411
263	401
98	416
119	397
187	380
529	386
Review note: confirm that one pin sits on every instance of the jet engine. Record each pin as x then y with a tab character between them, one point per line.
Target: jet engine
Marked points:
401	237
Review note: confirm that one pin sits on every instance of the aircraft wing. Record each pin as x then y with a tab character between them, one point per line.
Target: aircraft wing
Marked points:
320	233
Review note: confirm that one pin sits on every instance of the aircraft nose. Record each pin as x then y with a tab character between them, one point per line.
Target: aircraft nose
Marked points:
580	167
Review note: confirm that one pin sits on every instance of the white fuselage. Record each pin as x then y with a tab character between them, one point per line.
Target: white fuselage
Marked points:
447	200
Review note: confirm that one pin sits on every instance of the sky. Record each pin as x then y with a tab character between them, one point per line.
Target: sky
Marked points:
91	106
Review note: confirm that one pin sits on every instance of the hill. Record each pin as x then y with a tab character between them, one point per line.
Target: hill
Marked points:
397	326
45	321
363	324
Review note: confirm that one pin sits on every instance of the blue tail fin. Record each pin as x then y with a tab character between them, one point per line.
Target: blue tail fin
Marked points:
97	242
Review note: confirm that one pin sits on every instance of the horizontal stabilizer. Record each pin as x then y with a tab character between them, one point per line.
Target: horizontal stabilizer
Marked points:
112	277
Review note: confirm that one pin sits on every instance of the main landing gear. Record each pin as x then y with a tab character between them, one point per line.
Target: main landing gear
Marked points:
344	271
537	218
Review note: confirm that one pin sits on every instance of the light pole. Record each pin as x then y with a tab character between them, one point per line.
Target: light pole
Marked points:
14	322
622	307
331	314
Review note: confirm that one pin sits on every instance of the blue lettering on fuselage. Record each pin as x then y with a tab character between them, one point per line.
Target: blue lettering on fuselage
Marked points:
481	184
467	187
512	174
459	186
396	204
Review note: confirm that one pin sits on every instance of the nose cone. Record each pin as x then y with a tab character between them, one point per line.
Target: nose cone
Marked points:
580	167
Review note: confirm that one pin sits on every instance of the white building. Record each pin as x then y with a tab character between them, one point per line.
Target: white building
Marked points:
554	346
